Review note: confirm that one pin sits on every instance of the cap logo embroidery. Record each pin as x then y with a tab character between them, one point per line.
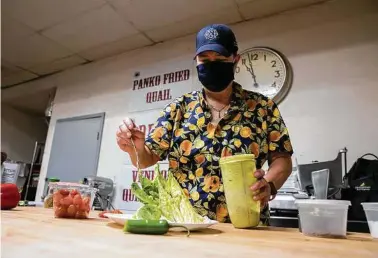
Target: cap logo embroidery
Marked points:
211	34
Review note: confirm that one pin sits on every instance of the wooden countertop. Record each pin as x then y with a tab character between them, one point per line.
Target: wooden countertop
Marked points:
34	232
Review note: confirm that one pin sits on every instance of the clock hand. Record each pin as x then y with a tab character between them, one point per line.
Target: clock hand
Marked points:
253	75
252	72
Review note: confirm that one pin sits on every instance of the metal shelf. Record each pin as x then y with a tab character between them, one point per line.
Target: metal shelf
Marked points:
35	162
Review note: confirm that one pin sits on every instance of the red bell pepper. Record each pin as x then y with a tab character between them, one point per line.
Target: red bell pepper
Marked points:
10	196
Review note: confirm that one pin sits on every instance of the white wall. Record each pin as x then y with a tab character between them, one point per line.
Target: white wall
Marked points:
19	132
333	49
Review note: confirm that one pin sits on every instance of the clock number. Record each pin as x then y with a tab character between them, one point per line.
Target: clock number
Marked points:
264	57
274	85
253	57
237	70
273	62
243	61
277	74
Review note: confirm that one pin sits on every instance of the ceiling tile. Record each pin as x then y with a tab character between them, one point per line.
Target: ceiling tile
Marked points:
260	8
13	30
40	14
94	28
34	103
192	25
116	47
17	77
5	71
31	51
57	65
147	14
7	68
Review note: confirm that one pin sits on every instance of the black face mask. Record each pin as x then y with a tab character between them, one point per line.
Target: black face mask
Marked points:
215	76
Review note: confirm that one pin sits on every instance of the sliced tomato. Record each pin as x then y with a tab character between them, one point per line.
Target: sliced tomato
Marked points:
102	214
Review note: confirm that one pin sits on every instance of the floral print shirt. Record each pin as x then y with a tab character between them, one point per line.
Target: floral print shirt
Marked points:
193	145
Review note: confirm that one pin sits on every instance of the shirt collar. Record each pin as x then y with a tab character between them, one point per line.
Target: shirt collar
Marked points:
238	100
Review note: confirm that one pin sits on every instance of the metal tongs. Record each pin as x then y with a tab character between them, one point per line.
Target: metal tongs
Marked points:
139	175
137	160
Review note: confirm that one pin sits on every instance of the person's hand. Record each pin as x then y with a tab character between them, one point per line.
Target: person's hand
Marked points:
261	188
127	131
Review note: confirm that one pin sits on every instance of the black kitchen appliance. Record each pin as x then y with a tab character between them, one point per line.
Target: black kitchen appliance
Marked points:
284	212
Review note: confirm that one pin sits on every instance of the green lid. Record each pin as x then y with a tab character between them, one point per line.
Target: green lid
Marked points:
53	179
237	158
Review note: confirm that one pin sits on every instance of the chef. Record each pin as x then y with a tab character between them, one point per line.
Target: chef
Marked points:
197	129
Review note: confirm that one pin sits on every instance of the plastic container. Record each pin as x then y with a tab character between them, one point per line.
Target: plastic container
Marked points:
237	173
323	218
72	200
48	200
371	212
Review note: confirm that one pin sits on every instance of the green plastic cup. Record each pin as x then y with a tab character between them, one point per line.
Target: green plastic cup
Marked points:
238	176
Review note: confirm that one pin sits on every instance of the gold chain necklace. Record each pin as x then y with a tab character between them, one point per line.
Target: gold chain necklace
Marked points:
218	110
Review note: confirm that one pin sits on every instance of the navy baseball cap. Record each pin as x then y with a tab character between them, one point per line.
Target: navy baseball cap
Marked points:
218	38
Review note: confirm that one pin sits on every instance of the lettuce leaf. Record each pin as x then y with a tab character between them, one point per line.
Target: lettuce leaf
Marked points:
186	212
142	196
148	212
164	199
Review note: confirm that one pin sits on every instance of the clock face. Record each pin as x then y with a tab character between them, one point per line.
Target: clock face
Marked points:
263	70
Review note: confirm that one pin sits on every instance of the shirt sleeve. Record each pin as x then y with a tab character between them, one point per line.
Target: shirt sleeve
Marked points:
160	137
278	135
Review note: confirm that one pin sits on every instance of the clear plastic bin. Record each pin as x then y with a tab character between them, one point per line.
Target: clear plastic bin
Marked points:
371	212
72	200
323	218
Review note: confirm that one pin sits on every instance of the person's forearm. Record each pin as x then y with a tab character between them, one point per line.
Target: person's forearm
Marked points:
146	158
279	170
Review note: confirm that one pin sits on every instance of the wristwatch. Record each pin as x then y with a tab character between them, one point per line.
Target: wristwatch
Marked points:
273	190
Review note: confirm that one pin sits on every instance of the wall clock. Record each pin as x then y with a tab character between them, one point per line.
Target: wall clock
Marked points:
266	71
